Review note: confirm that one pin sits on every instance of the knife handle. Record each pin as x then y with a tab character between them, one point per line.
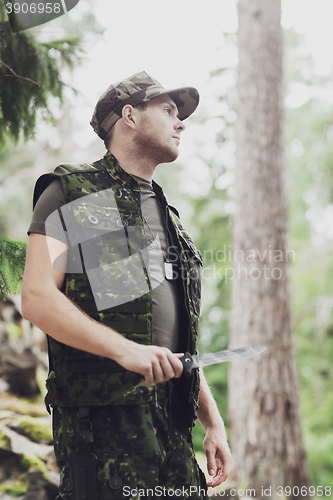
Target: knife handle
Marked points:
187	364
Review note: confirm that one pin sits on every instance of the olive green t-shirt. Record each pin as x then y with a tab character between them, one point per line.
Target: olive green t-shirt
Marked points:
165	298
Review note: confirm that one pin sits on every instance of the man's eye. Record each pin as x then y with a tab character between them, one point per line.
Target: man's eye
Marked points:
168	110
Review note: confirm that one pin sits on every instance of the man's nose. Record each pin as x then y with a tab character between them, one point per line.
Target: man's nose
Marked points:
179	126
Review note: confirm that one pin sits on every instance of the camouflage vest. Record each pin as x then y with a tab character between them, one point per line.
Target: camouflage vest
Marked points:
102	216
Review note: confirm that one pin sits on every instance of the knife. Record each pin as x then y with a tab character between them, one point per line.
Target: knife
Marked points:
192	361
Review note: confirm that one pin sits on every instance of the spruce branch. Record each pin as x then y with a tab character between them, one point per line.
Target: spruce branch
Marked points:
12	262
4	286
18	76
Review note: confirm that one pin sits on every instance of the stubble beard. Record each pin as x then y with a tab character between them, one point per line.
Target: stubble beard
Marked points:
150	146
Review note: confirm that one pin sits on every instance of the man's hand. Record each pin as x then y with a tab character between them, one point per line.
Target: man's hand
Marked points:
215	444
218	456
156	364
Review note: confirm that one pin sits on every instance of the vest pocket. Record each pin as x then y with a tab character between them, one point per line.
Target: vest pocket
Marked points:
103	389
116	477
66	485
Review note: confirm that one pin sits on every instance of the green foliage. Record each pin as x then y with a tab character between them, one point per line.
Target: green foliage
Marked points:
28	462
34	429
14	331
15	488
21	406
29	75
12	262
5	441
309	133
320	457
68	49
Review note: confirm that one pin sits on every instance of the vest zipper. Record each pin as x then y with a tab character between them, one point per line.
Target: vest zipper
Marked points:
186	295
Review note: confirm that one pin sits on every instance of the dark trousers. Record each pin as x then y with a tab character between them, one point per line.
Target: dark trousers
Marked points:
142	452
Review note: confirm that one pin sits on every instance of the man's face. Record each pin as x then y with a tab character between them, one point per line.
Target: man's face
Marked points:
159	129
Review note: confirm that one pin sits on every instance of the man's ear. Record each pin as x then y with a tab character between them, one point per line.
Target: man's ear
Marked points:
129	116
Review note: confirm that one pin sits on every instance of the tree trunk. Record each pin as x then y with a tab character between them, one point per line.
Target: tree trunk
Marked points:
265	424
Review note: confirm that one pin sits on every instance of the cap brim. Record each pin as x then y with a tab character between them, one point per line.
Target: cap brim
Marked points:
186	100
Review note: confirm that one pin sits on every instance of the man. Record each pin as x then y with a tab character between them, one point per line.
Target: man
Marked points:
113	278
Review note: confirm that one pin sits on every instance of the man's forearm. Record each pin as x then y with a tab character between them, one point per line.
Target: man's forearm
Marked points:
215	444
56	315
71	326
208	413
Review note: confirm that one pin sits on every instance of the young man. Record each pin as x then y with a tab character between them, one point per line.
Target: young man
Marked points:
113	279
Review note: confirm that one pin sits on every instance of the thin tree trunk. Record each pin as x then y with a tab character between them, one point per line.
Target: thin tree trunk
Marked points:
265	425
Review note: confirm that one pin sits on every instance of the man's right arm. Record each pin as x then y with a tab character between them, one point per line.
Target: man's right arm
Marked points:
48	308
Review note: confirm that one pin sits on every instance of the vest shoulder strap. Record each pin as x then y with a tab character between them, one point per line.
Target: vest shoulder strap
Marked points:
64	169
71	168
174	210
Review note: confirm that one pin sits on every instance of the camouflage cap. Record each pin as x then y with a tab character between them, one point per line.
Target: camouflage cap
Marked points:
133	90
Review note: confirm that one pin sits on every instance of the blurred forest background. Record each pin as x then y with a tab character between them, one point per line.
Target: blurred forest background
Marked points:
207	213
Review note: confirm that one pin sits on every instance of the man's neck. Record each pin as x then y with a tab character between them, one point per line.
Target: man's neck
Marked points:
141	167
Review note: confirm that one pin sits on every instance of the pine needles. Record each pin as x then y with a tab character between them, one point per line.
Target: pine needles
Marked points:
12	262
30	72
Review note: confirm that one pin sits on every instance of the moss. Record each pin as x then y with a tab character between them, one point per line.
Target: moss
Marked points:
5	440
39	432
41	376
16	487
22	406
27	462
14	331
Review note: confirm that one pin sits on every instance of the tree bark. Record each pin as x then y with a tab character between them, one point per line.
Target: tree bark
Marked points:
265	424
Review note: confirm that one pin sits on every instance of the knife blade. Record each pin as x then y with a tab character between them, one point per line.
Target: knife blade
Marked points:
192	361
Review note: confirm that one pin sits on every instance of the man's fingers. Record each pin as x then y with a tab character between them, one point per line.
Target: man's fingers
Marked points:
177	364
156	364
221	472
211	465
217	469
169	366
217	477
163	367
161	372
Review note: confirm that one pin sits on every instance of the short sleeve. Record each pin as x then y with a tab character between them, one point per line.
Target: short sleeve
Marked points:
49	202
